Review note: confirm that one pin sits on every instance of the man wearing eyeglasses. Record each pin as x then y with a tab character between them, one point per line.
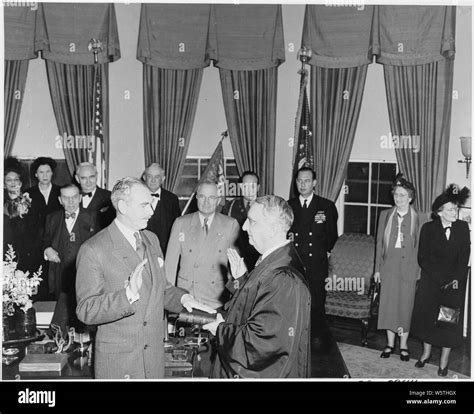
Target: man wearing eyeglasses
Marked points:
198	244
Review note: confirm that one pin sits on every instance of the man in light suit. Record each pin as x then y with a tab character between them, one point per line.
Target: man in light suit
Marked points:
95	200
165	205
122	288
199	243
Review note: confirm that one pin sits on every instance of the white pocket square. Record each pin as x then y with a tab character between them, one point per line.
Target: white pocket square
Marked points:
160	261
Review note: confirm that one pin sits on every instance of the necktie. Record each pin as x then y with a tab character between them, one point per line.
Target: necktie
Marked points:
259	261
87	194
305	205
247	207
70	215
206	227
140	248
398	243
448	232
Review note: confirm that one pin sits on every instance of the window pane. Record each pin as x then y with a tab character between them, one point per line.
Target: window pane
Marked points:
231	169
384	173
374	218
355	219
204	163
190	167
357	182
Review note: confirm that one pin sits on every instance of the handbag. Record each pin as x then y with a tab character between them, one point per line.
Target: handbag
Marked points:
448	318
374	295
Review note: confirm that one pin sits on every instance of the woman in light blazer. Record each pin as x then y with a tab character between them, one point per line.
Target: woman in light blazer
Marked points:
396	266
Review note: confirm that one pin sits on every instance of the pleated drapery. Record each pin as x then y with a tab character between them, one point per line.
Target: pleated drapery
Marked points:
419	104
72	94
336	96
169	101
15	80
250	108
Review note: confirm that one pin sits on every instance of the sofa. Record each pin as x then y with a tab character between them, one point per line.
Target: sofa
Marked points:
351	266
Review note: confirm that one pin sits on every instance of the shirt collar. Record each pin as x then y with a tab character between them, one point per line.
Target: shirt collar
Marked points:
272	249
308	202
127	232
209	219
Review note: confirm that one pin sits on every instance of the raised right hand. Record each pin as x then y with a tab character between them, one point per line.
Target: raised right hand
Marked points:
237	265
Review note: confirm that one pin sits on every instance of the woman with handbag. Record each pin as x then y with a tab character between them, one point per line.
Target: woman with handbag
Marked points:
396	266
443	256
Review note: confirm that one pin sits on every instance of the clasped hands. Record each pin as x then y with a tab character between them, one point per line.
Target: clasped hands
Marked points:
237	269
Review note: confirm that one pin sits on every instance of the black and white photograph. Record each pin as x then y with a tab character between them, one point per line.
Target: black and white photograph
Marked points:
237	192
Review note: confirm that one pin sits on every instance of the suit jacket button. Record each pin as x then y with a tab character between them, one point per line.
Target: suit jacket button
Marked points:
145	347
311	244
310	233
296	234
126	376
296	244
144	323
310	254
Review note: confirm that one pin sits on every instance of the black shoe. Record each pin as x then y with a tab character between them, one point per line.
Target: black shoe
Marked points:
421	364
404	354
386	354
442	372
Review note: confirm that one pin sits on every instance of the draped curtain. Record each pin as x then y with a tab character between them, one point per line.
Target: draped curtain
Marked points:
63	33
72	93
336	96
169	107
419	105
419	82
251	118
15	80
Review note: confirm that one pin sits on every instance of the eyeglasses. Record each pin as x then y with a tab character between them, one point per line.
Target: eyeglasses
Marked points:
202	197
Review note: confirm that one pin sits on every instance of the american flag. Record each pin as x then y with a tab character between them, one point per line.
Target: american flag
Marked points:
303	150
97	155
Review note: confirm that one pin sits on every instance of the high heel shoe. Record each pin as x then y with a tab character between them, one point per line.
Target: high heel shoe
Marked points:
386	354
442	372
421	363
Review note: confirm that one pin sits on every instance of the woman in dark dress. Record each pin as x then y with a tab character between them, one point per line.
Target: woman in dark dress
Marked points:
15	208
45	200
443	256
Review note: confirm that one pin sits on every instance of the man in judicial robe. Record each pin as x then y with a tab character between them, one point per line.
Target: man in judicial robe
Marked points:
65	231
121	287
238	209
95	200
266	330
314	233
165	205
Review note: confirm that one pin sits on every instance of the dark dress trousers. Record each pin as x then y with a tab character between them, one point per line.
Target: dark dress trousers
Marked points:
62	276
36	221
442	261
236	209
166	212
101	206
266	333
314	233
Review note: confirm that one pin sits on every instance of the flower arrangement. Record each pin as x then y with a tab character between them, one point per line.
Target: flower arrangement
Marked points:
18	286
19	205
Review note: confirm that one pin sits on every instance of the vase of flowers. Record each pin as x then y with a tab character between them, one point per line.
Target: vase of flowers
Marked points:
19	320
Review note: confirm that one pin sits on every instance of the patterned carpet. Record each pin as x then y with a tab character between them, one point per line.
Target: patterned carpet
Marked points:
366	363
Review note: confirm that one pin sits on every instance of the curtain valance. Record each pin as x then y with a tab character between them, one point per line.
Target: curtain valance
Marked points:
20	32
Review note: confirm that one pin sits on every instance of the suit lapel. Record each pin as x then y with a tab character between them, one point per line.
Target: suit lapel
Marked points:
122	249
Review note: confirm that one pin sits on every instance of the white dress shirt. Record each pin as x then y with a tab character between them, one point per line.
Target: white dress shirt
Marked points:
86	200
308	200
154	200
71	221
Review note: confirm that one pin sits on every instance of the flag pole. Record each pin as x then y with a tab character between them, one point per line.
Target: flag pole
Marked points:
304	55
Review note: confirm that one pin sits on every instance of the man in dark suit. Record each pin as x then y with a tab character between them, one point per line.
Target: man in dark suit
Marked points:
238	208
122	288
266	331
314	233
165	205
65	231
95	200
